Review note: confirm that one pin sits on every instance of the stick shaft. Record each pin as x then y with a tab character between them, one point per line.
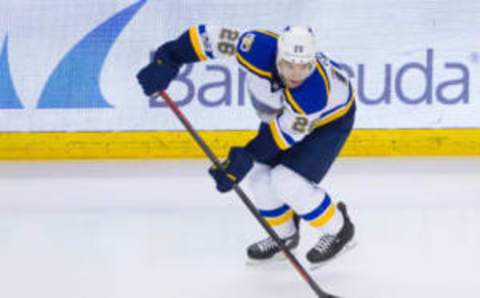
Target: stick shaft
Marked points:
239	191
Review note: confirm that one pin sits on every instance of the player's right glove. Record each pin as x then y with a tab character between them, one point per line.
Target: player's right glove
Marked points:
236	167
157	75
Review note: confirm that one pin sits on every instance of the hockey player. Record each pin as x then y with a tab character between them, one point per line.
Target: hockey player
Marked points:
307	107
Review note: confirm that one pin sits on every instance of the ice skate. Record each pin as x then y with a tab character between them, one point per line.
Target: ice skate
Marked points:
331	246
267	250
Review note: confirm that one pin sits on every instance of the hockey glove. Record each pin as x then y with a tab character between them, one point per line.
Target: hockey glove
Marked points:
236	167
157	75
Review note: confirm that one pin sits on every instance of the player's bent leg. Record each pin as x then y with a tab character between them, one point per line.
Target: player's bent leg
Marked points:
316	208
275	212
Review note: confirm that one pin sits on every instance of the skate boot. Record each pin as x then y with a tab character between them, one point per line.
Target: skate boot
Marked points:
268	249
329	246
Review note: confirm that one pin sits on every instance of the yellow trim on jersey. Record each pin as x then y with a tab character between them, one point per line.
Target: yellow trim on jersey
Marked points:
324	76
277	135
341	112
324	218
280	220
195	40
293	103
253	68
275	35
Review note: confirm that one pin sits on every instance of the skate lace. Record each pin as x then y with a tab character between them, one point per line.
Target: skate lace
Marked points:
325	243
267	244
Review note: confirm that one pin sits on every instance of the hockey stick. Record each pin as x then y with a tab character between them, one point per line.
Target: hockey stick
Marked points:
206	149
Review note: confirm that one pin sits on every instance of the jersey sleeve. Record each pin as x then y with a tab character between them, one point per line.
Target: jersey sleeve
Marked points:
254	50
280	133
213	42
289	128
199	43
267	102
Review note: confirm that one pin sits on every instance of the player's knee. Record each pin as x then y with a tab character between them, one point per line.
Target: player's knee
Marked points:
259	181
289	185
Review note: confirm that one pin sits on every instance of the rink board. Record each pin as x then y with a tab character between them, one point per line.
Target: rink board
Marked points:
416	79
179	144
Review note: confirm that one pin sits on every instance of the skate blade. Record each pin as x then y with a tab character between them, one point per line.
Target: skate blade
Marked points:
276	259
348	247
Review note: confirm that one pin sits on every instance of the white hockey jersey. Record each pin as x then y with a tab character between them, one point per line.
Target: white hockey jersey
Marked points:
291	113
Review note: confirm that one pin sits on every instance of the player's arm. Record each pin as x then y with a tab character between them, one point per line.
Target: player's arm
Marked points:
198	43
266	102
279	134
273	137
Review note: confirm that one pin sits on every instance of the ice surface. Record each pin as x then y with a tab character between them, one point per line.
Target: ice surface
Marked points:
151	229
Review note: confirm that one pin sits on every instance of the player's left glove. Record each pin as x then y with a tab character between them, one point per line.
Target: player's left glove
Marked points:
236	167
157	75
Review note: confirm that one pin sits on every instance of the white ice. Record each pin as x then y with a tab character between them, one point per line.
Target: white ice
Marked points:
158	229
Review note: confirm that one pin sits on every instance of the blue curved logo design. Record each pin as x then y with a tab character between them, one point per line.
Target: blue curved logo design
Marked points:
75	82
8	95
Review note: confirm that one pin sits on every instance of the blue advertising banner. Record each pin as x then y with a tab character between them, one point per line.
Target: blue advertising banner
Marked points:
66	66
